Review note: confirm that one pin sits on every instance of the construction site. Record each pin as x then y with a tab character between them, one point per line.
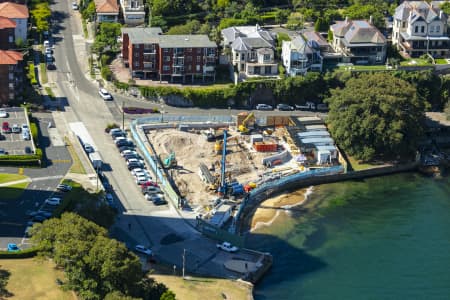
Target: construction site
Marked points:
213	166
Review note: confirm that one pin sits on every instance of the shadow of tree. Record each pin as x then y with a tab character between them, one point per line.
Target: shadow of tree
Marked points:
4	277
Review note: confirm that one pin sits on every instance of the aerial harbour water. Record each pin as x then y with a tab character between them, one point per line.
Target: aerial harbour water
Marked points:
379	238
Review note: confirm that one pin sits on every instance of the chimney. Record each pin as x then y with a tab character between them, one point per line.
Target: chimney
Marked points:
371	20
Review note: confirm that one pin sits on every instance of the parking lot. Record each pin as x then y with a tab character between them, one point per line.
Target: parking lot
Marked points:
14	143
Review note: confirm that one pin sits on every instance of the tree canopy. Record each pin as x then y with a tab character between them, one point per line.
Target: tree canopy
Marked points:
106	38
95	265
376	116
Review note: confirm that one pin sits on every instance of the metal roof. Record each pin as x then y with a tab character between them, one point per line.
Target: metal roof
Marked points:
186	41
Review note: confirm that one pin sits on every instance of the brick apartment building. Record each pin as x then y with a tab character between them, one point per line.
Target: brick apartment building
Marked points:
11	75
7	37
150	55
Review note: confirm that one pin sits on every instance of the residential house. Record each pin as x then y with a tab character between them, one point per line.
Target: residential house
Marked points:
133	11
15	1
19	14
7	31
252	50
106	11
359	42
150	55
300	56
319	39
11	75
420	28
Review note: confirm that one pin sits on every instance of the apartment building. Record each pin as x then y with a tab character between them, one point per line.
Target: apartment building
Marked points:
420	28
359	42
150	55
7	33
11	75
19	14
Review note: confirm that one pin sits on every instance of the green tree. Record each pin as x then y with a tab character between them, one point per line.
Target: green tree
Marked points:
376	116
168	295
321	24
106	38
364	12
447	110
158	21
40	15
281	15
446	8
89	12
190	27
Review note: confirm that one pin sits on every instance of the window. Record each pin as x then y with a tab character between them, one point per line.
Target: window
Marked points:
188	49
11	39
188	59
378	58
136	54
422	29
267	70
189	68
199	58
11	96
166	68
438	28
166	58
237	55
136	64
266	57
197	67
243	56
416	29
166	50
11	76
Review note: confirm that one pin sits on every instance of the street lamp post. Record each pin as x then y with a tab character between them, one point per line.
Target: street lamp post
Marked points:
123	115
162	113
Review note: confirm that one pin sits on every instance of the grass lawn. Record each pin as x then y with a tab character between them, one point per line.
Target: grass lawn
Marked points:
4	177
34	279
441	61
358	166
43	73
77	166
415	62
204	288
13	191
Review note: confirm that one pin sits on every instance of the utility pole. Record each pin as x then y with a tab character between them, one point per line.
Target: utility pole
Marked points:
184	260
123	116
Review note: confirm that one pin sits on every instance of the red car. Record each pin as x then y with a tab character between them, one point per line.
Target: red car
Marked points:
149	183
6	128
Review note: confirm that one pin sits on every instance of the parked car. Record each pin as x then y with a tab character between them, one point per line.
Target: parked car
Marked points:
26	135
25	127
64	187
142	249
123	148
159	199
135	165
44	213
308	106
28	150
13	247
109	199
3	113
74	6
6	128
105	94
125	152
114	130
283	106
48	57
322	107
226	246
51	66
2	137
134	161
142	173
15	128
149	190
264	107
3	152
39	218
88	148
124	142
53	201
118	134
48	51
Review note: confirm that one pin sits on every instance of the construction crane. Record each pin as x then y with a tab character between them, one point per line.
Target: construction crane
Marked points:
243	127
223	184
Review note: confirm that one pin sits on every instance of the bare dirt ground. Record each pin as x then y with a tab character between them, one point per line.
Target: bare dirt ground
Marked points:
191	148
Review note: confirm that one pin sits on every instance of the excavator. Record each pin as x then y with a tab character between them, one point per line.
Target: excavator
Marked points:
170	161
243	127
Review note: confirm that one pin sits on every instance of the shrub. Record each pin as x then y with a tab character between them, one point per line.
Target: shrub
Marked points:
32	74
106	73
26	253
34	131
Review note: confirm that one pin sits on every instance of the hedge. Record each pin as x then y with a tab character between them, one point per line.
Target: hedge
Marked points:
26	253
32	74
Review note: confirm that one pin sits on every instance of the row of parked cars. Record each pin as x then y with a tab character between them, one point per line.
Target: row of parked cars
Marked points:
137	168
286	107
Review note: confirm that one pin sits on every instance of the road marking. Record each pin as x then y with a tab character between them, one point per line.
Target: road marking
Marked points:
62	161
48	177
11	223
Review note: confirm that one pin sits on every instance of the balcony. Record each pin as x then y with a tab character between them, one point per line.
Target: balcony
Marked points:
149	57
178	61
177	70
209	59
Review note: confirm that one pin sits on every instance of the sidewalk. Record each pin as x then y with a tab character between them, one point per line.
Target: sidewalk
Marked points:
15	182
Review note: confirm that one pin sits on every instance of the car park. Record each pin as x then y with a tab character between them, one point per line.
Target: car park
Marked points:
64	187
105	94
13	248
285	107
6	128
142	249
264	107
53	201
15	128
3	113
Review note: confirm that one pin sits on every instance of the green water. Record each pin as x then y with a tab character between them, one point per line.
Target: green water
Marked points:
381	238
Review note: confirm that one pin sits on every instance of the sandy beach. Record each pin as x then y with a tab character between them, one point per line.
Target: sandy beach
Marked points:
271	208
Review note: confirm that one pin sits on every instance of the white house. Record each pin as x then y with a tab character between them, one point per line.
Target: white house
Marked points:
419	28
252	50
300	56
18	13
133	11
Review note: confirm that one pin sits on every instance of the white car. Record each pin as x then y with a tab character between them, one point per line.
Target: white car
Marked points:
226	246
143	173
142	249
104	94
134	172
25	127
15	128
74	6
142	179
3	113
123	153
53	201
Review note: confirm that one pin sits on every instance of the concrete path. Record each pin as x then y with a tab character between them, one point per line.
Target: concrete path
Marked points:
15	182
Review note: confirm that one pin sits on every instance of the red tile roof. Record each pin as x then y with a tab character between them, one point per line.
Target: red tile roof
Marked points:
9	57
7	23
13	10
106	6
